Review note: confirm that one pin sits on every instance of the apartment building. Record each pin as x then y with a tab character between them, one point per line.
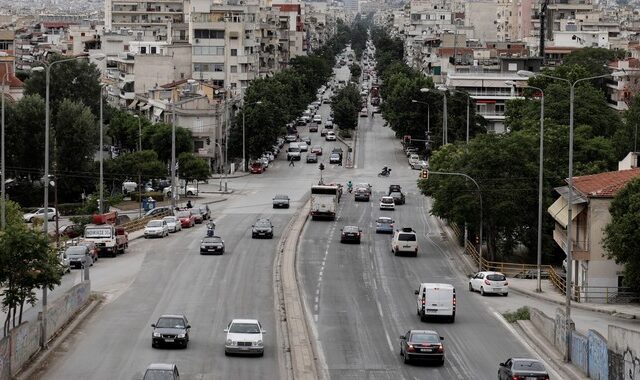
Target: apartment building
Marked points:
621	90
156	16
291	31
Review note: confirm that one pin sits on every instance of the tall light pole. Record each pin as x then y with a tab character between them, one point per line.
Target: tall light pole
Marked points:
46	67
244	153
101	190
3	211
173	158
445	114
540	181
139	132
568	285
428	113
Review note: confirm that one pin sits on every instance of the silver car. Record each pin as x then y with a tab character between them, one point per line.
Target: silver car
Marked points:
157	228
79	256
244	336
173	223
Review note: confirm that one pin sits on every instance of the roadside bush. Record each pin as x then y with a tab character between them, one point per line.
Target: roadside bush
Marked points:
69	208
522	314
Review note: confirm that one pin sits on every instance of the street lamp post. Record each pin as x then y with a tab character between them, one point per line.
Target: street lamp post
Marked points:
540	181
101	189
3	215
139	132
244	153
568	285
173	158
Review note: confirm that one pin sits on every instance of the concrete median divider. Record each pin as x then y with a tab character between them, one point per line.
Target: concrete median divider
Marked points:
300	359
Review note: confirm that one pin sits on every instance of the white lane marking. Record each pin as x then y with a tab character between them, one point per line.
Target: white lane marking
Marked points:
386	333
316	305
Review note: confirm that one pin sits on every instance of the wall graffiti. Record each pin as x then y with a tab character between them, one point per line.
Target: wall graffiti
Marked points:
580	351
631	365
598	356
5	359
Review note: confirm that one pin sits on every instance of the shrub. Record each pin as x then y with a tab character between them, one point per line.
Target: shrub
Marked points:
518	315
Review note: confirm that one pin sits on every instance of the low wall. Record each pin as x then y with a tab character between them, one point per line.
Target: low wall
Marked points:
25	342
624	353
561	331
5	358
580	351
598	356
544	324
61	310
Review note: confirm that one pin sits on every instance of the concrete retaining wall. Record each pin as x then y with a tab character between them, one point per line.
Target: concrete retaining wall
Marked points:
65	307
598	356
5	358
561	331
580	351
543	324
25	342
624	353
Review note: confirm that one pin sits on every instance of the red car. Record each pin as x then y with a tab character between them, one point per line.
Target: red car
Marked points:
317	149
256	168
187	219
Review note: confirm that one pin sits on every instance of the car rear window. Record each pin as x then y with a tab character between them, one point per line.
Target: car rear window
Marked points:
407	237
184	214
528	365
424	338
496	277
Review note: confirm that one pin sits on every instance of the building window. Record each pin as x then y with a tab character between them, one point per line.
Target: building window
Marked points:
143	50
208	50
499	109
153	50
234	52
208	33
209	67
219	83
233	69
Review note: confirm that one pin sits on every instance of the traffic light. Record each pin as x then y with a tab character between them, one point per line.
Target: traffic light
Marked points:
321	166
208	141
407	139
424	174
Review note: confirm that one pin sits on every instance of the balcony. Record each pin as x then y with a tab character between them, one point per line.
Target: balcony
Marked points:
579	252
247	59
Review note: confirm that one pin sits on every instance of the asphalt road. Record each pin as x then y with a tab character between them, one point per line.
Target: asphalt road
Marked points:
159	276
361	296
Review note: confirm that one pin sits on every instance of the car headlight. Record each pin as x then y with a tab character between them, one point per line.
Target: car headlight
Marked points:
203	246
156	335
181	335
258	343
229	342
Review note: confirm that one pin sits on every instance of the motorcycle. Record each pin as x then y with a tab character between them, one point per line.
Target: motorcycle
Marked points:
349	188
211	229
384	173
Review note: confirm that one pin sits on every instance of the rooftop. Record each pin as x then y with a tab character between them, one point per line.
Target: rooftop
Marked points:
604	185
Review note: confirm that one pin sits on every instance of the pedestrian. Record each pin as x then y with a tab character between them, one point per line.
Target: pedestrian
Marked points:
291	162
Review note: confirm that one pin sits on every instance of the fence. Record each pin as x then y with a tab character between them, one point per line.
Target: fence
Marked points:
139	224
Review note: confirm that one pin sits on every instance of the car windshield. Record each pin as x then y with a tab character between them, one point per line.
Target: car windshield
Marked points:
424	338
350	229
384	221
335	155
496	277
396	194
78	250
169	219
281	197
317	148
184	214
528	365
158	374
387	200
155	223
244	328
176	323
212	240
407	237
263	223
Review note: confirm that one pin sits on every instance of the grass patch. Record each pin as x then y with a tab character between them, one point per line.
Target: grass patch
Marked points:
518	315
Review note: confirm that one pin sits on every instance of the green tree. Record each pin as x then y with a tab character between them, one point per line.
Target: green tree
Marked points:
193	168
24	136
27	262
76	142
622	235
345	105
594	60
159	139
77	80
124	132
355	71
263	125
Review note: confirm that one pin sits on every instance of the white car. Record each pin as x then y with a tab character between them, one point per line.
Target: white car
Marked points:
329	124
173	223
405	240
244	336
387	203
52	214
420	165
303	146
413	159
190	190
317	119
489	282
330	136
156	228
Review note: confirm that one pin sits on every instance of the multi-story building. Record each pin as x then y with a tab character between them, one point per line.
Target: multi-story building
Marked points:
291	31
621	90
156	16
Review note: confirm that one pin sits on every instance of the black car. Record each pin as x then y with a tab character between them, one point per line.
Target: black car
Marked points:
312	158
398	197
350	234
522	368
281	201
171	329
361	194
393	188
422	345
212	245
262	228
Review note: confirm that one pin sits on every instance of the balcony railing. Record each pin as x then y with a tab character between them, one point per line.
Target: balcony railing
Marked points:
579	251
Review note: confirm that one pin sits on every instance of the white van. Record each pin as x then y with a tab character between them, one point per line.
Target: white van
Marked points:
436	300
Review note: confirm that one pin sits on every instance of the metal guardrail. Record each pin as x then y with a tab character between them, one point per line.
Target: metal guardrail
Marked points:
607	294
139	223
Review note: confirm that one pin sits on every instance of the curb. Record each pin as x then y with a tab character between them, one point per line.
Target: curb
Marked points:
353	148
298	345
567	370
229	176
41	357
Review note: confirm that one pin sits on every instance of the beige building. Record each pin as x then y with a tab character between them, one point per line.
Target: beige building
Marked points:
155	16
594	275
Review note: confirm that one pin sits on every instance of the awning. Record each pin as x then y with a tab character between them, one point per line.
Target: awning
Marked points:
157	111
559	211
133	104
145	107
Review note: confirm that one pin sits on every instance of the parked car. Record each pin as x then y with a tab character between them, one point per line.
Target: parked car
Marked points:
262	228
489	282
79	256
173	223
182	190
38	213
204	211
186	218
421	164
212	244
91	246
422	345
350	234
161	371
413	159
312	158
244	336
364	112
384	225
162	210
64	261
281	200
171	329
522	368
157	228
69	231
